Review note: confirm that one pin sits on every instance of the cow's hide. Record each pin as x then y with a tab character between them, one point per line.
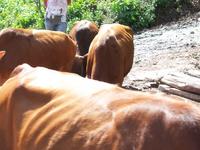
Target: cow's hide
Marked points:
42	109
83	32
110	55
51	49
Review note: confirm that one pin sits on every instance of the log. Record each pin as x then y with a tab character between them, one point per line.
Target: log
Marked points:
194	73
182	82
170	90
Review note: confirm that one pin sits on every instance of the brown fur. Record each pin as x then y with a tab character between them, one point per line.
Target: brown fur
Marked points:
55	50
83	32
79	65
74	113
110	55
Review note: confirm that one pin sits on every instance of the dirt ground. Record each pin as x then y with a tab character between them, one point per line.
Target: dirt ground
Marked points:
173	47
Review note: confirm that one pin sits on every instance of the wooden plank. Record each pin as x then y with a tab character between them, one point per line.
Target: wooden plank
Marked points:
171	90
182	82
194	73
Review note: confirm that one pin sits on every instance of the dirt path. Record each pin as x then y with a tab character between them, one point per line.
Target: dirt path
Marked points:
165	49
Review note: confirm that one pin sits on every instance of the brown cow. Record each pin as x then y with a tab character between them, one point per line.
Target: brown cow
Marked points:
83	32
50	49
110	55
74	113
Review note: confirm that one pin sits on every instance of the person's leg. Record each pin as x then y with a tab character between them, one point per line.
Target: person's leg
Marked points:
49	25
62	26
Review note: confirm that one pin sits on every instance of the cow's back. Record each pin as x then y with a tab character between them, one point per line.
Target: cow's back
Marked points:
54	50
110	55
71	112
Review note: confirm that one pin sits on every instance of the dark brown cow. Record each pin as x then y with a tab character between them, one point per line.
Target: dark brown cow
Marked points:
55	50
83	32
79	65
110	55
42	109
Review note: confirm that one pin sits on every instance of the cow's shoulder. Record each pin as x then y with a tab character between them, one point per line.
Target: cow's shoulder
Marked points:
23	90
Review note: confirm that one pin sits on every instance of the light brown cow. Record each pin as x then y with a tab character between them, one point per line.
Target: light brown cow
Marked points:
42	109
55	50
110	55
83	32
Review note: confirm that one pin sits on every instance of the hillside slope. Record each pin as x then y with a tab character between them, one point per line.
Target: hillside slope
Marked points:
174	47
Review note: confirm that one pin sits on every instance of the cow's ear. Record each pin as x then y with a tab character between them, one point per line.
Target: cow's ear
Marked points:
2	53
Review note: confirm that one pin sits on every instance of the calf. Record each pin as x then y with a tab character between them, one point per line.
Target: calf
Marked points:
110	55
74	113
55	50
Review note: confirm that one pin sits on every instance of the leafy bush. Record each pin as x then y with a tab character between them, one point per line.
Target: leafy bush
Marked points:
169	10
20	14
82	9
137	14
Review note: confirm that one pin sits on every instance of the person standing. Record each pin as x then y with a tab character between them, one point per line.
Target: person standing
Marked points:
56	14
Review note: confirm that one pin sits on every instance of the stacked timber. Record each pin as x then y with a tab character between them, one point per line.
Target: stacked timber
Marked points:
182	84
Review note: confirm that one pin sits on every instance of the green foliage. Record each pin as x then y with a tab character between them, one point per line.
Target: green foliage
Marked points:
169	10
19	14
82	9
137	14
